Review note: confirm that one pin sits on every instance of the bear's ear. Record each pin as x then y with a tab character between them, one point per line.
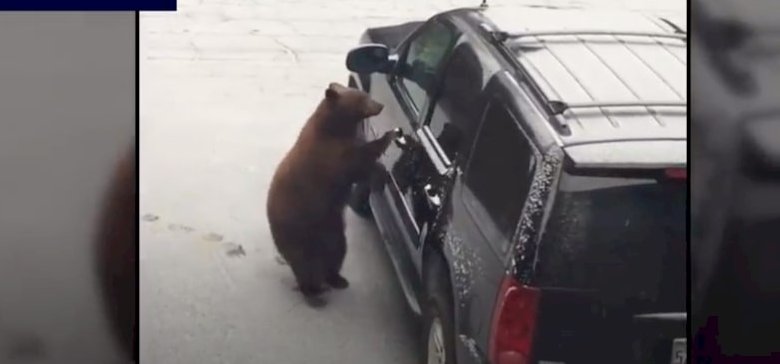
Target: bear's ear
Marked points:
331	93
336	86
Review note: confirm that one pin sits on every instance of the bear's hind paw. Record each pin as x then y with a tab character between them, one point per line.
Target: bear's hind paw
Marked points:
338	282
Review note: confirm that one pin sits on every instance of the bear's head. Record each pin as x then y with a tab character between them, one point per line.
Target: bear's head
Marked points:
349	104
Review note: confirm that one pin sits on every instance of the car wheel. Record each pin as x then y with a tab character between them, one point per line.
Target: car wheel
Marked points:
439	324
358	200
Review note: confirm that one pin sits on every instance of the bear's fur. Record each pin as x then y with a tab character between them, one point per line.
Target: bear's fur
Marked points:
311	185
117	241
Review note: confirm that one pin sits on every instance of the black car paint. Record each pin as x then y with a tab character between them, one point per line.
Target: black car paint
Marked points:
451	246
470	267
413	228
474	273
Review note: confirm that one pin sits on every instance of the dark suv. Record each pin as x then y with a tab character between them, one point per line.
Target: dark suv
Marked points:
534	203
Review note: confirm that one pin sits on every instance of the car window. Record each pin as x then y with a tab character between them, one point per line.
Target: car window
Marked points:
456	111
499	175
621	236
425	54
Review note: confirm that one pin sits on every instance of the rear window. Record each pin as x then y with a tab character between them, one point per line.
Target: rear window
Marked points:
622	237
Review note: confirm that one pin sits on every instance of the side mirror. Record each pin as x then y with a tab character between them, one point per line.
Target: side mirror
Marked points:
369	58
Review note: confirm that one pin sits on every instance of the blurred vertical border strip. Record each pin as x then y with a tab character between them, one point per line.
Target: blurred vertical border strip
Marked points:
88	5
136	347
117	243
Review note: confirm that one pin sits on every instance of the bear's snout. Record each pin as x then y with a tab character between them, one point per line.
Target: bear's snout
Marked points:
374	108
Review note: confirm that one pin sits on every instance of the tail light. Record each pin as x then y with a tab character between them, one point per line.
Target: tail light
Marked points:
677	173
514	323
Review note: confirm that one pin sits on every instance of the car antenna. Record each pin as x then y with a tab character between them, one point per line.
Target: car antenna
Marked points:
484	4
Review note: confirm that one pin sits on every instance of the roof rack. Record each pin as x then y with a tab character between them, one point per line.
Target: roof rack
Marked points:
677	28
558	107
502	36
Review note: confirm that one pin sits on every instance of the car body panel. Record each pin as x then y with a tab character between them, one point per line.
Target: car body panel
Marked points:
634	154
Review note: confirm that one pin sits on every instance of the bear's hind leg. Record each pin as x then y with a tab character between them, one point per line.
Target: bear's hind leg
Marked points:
335	254
309	272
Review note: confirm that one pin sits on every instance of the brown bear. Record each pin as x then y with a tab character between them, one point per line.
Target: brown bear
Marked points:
116	246
311	186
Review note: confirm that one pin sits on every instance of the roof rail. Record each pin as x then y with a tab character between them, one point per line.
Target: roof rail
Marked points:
677	28
559	107
504	36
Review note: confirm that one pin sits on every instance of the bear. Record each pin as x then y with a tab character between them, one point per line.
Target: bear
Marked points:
115	252
311	185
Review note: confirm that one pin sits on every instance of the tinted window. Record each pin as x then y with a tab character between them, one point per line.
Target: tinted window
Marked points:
623	237
456	113
425	53
500	172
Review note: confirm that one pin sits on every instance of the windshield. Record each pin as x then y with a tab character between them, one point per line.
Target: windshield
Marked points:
624	238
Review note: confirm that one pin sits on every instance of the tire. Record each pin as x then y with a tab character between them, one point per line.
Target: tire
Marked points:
438	319
358	200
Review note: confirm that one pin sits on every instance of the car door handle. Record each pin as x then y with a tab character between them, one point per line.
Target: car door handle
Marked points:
432	196
400	139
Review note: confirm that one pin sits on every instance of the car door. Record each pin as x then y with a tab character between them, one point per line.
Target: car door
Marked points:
448	133
410	87
487	200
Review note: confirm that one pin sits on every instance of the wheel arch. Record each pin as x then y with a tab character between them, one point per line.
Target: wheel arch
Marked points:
438	259
437	262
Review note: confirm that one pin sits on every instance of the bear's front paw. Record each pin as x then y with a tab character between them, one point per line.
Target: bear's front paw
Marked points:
393	134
